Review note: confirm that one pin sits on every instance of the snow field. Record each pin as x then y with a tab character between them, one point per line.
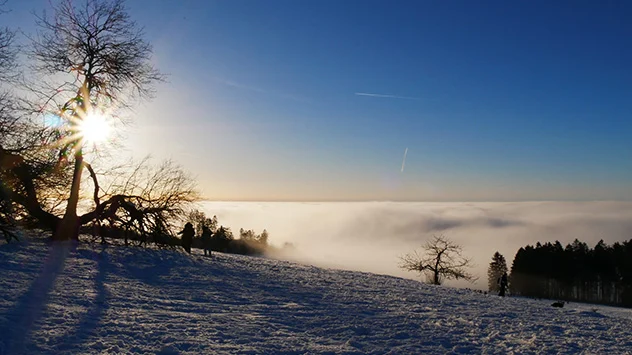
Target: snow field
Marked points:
93	300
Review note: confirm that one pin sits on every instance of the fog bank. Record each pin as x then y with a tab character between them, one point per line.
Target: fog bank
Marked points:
370	236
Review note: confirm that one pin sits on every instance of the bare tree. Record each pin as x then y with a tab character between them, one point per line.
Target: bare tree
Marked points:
441	260
108	61
89	57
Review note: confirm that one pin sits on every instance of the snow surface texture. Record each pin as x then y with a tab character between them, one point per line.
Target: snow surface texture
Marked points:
88	299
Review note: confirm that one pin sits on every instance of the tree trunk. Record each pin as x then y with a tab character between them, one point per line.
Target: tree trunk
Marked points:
68	228
436	269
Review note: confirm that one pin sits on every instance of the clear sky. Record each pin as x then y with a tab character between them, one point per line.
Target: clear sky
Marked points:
319	100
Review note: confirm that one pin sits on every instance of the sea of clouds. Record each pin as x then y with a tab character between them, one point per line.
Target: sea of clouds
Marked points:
371	236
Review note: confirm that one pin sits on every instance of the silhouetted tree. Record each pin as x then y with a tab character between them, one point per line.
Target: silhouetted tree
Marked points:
263	238
496	269
247	235
87	58
442	260
222	239
250	243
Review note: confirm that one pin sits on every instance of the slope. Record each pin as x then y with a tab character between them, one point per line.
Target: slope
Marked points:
89	299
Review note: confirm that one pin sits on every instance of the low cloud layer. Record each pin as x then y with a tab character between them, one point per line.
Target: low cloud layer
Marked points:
370	236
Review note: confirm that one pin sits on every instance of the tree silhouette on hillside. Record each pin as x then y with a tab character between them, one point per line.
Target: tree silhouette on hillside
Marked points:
496	269
441	260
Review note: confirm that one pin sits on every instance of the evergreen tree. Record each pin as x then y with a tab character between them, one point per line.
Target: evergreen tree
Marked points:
221	239
263	238
497	268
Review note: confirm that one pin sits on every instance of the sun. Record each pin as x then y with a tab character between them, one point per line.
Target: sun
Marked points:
94	128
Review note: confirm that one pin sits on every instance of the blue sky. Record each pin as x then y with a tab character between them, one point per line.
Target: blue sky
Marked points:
520	100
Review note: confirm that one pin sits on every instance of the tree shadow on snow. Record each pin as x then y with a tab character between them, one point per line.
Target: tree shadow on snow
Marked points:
87	326
22	318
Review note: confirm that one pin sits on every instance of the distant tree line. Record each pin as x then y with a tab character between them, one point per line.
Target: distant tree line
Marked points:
602	274
223	240
248	242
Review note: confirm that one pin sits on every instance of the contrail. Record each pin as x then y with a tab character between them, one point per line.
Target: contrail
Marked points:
404	160
386	96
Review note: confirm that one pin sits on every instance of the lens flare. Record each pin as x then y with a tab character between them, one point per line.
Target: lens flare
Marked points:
94	128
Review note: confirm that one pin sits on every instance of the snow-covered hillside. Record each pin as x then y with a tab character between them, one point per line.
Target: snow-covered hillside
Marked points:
88	299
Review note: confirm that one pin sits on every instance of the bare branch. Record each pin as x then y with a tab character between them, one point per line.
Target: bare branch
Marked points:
93	175
8	51
16	172
148	195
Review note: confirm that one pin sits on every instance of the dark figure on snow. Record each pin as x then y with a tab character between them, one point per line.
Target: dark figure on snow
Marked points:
502	283
187	237
206	240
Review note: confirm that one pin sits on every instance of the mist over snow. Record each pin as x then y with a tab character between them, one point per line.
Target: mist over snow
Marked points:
370	236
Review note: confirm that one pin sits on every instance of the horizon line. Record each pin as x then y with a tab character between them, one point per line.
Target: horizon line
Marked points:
409	201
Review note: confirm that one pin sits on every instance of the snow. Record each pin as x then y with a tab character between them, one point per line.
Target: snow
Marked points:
91	299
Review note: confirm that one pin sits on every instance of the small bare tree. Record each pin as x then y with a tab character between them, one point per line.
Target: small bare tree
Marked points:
441	260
